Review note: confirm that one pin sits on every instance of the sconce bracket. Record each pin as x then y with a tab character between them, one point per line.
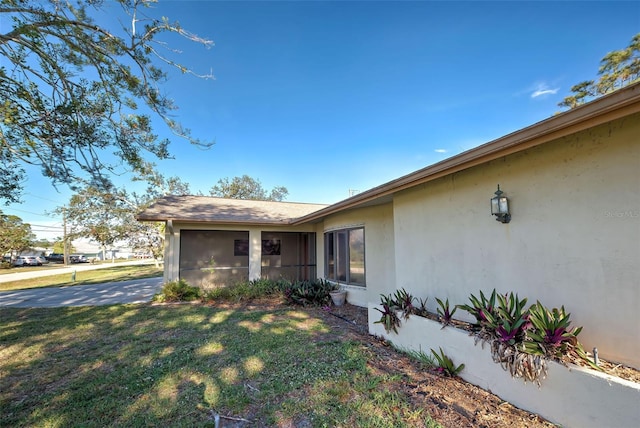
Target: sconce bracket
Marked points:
503	218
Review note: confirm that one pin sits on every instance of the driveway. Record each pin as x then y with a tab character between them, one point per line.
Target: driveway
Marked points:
110	293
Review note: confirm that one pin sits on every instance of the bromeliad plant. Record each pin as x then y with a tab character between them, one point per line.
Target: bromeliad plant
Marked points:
421	309
308	292
523	339
403	301
389	318
445	315
552	337
400	301
482	309
510	326
512	319
503	321
446	365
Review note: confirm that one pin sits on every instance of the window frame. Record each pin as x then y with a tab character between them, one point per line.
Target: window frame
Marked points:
337	254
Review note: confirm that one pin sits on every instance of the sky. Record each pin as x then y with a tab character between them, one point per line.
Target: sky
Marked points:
330	98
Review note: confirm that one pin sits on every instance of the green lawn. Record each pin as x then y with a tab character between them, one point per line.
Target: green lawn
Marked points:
180	365
49	266
97	276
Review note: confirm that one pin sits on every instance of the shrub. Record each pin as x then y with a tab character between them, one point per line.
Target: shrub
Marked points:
178	291
246	290
309	292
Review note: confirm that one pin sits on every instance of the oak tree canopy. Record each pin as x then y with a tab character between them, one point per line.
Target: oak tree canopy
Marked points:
77	98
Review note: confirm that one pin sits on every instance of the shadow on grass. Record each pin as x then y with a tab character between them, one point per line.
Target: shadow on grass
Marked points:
147	365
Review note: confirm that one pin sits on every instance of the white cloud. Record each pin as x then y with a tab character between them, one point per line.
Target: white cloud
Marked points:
440	150
543	90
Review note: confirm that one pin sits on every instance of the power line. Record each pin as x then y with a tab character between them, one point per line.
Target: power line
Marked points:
49	227
40	197
28	212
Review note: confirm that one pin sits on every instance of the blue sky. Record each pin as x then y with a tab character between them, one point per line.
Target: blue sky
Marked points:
324	97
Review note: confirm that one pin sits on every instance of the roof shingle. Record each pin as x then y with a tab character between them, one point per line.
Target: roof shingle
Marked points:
221	210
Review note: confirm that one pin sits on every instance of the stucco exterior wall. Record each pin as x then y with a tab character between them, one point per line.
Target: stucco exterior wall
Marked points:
574	237
379	249
569	396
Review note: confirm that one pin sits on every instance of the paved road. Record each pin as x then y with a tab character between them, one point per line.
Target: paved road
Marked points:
111	293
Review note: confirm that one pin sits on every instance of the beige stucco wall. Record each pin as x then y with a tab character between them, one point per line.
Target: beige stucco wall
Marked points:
568	396
379	249
574	238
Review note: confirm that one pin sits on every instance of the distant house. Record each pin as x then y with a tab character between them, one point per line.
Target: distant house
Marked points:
573	185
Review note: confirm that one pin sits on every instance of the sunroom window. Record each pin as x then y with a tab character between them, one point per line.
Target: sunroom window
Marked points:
344	256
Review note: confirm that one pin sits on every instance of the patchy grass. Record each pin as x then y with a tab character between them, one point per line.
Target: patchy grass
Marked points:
54	265
180	365
85	277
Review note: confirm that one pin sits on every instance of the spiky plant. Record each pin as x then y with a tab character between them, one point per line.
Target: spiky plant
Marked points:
403	300
389	318
446	365
512	319
551	335
482	309
421	308
445	315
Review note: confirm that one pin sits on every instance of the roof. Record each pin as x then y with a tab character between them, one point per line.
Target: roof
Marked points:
621	103
201	209
616	105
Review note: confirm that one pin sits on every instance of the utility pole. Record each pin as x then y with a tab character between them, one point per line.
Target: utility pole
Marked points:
65	244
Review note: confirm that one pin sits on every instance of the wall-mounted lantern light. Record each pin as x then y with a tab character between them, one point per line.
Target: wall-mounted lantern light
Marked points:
500	207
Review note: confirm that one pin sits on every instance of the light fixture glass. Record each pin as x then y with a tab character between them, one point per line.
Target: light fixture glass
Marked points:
500	207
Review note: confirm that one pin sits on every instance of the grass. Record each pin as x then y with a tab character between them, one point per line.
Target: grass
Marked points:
52	265
97	276
180	365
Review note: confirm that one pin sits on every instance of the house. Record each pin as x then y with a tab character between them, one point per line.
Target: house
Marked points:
573	187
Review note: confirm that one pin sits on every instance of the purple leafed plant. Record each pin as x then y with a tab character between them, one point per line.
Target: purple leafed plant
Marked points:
403	300
444	313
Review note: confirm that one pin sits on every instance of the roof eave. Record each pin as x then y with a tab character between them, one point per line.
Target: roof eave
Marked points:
231	222
618	104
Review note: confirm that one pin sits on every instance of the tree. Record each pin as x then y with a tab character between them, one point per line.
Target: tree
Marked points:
15	236
58	247
107	216
149	236
72	90
246	187
158	185
617	69
99	215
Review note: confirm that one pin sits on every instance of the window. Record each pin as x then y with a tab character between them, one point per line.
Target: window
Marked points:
270	247
344	256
